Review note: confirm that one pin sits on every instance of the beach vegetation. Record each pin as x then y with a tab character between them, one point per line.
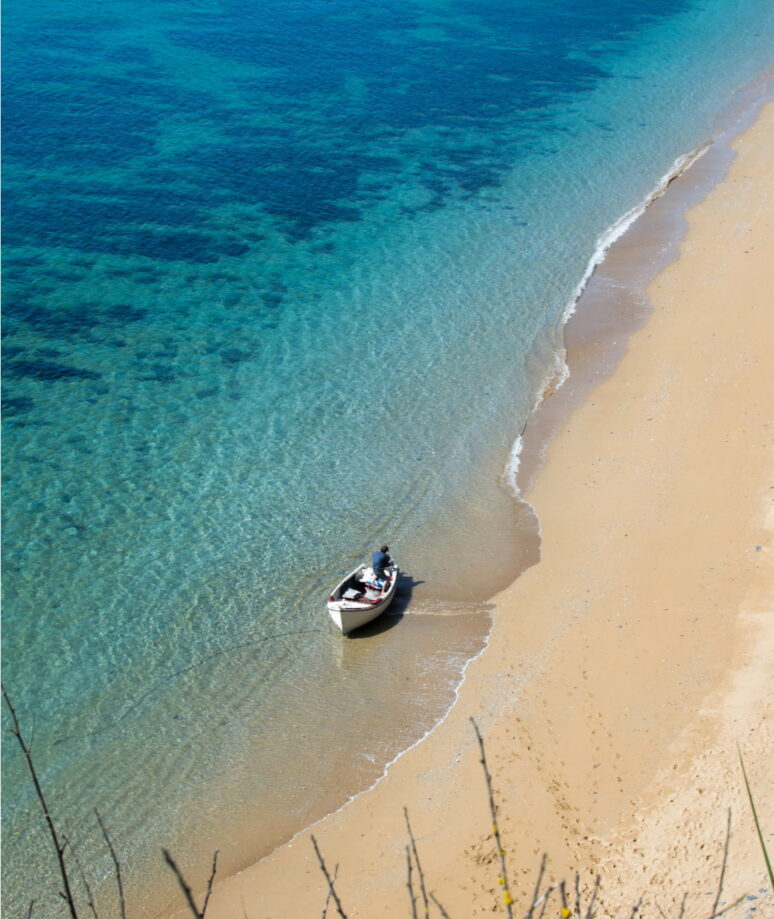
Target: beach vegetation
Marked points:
757	821
548	899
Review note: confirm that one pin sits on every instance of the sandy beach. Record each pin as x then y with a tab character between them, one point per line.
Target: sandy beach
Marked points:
626	666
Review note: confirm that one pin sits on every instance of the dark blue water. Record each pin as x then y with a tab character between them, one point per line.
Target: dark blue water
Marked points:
281	281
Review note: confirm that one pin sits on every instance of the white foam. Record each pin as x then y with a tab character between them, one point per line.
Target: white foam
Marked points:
560	372
614	232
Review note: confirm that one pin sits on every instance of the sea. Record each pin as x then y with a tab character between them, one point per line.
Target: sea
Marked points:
283	281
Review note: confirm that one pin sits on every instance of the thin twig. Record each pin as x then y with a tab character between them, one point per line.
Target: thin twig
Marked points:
410	885
577	895
507	898
90	897
442	911
593	900
545	898
563	894
723	865
727	908
328	898
184	886
116	865
635	908
682	906
29	911
329	879
209	883
182	883
423	889
534	901
16	731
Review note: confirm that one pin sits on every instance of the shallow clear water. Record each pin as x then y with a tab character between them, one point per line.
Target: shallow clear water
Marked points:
281	282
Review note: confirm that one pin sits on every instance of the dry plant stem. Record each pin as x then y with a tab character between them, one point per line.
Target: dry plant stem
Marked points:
682	906
29	911
441	910
116	865
563	893
507	898
577	895
593	900
544	900
635	908
90	898
186	889
534	901
723	864
425	901
67	895
327	899
209	883
729	907
329	879
183	886
410	885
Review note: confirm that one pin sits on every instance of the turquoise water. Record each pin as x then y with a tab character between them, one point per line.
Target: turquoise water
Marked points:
282	282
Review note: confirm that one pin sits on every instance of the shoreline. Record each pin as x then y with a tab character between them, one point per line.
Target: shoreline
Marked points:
400	761
628	256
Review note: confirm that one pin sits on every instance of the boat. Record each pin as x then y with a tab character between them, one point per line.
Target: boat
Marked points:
361	597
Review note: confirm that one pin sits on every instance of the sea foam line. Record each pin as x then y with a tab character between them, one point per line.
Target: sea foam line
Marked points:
560	371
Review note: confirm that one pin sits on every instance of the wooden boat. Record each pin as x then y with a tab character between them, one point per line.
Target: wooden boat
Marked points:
358	599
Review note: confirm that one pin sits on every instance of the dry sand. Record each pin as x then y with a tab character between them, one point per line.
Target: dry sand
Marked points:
625	667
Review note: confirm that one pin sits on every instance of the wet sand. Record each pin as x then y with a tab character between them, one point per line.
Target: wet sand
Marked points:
626	666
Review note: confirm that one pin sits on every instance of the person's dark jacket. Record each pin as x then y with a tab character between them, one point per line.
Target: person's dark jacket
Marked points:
380	561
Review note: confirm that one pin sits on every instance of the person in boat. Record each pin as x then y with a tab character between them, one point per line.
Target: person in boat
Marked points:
379	562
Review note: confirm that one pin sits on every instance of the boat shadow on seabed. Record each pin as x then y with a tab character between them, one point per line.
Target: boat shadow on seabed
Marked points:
391	616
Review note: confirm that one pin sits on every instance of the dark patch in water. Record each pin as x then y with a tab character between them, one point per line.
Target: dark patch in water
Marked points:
48	371
16	405
59	274
71	319
162	373
61	322
125	313
22	261
148	277
11	351
206	393
235	356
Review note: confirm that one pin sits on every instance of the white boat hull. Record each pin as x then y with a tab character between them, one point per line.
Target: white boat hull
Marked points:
350	614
